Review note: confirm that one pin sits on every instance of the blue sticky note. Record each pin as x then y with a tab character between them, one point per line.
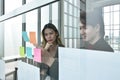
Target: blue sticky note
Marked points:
25	36
29	52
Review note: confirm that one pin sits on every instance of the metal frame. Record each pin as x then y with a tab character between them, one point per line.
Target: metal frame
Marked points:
1	30
26	8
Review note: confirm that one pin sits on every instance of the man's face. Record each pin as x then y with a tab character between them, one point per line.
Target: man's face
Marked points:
88	32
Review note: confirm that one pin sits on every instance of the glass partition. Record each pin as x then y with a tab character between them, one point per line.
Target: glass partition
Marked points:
11	5
71	26
105	17
12	36
32	25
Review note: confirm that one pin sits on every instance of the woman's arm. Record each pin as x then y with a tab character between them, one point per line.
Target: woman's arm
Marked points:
47	58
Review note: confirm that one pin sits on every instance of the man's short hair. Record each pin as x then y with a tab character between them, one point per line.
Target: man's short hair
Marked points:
93	18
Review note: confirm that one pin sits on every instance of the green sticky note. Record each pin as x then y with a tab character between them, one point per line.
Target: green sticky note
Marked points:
22	51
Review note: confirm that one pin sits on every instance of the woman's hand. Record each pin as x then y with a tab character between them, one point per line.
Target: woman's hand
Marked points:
36	45
47	58
48	46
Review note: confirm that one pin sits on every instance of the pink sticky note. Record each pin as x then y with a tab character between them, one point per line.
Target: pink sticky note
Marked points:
37	55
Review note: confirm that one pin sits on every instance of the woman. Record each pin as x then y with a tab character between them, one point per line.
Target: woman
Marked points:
92	31
51	42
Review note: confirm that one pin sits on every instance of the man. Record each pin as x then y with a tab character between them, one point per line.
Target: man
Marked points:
92	31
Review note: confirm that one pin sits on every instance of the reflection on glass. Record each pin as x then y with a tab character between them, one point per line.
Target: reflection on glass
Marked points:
55	14
70	9
75	33
116	18
71	15
116	33
70	43
12	36
70	21
78	31
27	1
75	22
107	18
92	29
65	19
70	32
111	15
117	27
70	1
75	43
107	32
112	24
31	24
107	9
44	16
107	27
65	32
65	6
9	6
75	2
66	43
116	7
75	12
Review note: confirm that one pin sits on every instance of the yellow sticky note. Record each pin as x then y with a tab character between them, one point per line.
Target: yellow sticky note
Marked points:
22	51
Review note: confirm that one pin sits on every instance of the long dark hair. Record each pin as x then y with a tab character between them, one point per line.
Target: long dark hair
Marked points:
51	26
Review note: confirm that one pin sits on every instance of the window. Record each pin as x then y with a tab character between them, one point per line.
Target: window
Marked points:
71	27
112	25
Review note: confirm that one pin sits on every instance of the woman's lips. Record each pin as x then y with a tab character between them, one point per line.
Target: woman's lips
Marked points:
49	40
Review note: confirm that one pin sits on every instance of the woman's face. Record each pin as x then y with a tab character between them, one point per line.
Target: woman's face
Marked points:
88	33
50	35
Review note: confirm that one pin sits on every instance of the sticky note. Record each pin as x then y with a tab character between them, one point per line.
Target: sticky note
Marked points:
25	36
22	52
32	37
29	52
37	54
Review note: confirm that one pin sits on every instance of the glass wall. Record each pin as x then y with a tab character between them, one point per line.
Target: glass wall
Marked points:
11	5
71	26
31	24
110	13
44	16
112	25
12	36
31	21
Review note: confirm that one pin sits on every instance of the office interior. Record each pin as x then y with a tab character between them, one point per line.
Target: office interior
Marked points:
31	15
